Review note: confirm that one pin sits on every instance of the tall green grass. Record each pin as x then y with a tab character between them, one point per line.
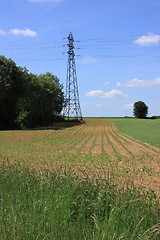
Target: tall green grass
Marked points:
145	130
49	205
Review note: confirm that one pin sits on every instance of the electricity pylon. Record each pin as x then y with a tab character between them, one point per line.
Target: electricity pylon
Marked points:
72	109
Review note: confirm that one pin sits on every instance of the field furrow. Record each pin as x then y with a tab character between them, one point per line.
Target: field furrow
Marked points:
95	148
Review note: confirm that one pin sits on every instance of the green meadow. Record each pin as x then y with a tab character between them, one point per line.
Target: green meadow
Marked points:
145	130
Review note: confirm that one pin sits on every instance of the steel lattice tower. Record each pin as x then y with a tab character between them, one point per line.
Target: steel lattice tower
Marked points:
72	109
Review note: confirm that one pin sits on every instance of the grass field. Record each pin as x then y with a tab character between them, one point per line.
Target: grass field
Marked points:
88	181
145	130
53	206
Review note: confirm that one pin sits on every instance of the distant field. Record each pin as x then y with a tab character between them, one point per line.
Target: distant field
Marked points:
145	130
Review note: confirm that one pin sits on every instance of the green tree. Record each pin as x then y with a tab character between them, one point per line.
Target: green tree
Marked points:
43	100
11	88
140	109
52	93
27	99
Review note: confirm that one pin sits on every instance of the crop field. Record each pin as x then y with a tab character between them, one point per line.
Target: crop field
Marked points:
86	181
95	148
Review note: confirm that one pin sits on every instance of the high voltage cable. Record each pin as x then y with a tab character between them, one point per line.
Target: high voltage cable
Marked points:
58	40
109	43
85	57
27	44
77	47
119	40
119	56
32	48
109	38
39	59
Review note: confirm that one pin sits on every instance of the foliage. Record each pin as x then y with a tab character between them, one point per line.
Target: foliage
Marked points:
50	205
140	109
27	99
11	88
42	102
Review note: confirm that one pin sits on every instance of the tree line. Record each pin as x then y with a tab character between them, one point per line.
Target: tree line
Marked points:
26	99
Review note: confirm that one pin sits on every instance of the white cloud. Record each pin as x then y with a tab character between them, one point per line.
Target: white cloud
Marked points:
102	94
95	93
2	32
24	32
140	83
54	1
98	105
149	39
114	94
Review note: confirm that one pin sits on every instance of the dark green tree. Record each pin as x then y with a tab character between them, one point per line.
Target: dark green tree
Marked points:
43	100
52	93
11	88
26	99
140	109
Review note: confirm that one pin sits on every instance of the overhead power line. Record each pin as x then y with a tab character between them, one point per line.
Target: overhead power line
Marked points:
84	57
111	47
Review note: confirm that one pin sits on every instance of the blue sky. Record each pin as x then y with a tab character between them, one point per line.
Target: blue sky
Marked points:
117	48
